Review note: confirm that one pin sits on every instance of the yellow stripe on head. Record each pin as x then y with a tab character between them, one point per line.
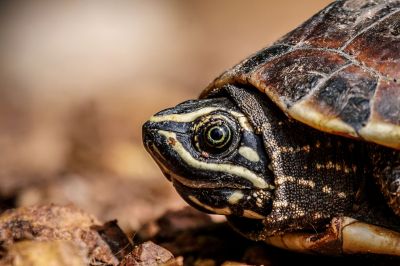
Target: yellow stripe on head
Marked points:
239	171
192	116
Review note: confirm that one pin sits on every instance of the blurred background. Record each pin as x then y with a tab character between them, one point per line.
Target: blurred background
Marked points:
79	78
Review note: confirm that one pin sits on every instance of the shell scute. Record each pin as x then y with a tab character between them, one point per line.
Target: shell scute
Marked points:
294	75
347	95
379	47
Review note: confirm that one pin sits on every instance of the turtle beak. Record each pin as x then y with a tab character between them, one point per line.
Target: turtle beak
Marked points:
156	144
165	121
152	141
150	135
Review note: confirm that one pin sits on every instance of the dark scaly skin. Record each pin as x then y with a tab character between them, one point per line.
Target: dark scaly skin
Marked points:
345	62
386	170
330	162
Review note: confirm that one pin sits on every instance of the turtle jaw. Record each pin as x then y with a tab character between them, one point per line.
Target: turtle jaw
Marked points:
248	203
149	136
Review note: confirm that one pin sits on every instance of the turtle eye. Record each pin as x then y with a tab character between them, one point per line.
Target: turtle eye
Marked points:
217	136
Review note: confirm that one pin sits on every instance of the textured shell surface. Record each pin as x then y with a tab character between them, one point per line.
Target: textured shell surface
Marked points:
338	72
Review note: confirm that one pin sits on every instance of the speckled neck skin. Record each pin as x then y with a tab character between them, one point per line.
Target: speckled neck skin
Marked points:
318	176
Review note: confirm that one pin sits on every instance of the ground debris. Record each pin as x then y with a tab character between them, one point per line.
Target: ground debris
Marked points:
59	230
64	235
67	236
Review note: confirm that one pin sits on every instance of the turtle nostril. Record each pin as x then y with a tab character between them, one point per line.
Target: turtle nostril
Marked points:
147	127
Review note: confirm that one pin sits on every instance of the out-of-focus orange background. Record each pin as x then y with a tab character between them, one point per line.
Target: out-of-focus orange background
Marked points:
79	78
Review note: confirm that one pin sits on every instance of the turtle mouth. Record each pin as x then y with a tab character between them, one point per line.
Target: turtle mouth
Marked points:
158	158
203	184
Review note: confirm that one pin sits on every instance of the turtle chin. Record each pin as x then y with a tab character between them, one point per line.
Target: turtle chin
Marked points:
248	203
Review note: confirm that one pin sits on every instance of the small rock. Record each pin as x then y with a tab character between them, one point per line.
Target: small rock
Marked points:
116	239
148	254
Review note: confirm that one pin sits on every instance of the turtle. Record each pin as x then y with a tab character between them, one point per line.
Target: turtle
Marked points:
298	145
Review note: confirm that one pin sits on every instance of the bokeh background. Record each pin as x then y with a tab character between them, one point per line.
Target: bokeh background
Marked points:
79	78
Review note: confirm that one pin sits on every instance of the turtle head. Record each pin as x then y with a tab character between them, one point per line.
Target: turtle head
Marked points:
211	154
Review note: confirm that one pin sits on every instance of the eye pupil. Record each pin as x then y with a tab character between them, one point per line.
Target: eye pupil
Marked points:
217	133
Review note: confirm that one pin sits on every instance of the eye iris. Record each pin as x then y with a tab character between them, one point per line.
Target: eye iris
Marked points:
218	136
215	135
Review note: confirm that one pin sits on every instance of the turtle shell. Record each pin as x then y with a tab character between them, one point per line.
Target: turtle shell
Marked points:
338	72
